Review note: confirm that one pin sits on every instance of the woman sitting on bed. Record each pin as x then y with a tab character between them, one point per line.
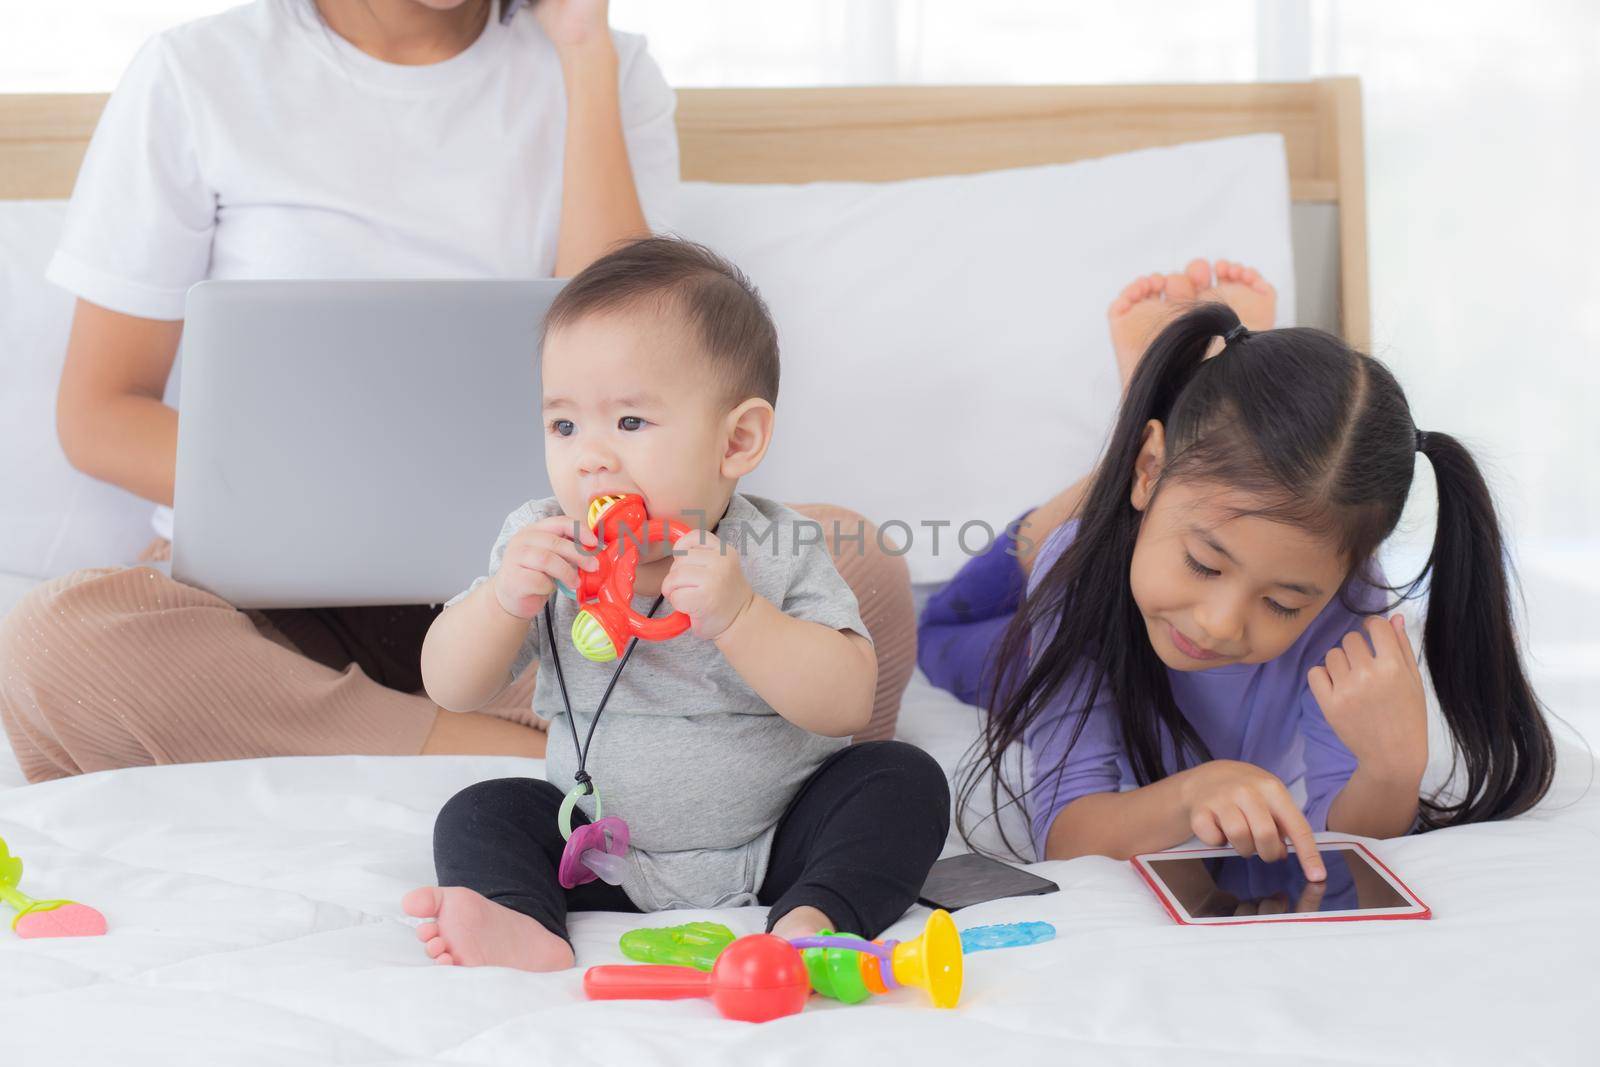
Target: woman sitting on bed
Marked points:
1206	624
323	139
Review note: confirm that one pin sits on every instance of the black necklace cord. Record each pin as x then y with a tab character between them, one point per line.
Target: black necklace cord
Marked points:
582	751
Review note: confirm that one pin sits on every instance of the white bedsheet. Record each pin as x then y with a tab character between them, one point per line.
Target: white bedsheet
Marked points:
254	919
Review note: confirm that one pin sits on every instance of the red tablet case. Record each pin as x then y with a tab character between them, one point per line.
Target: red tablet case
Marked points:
1425	913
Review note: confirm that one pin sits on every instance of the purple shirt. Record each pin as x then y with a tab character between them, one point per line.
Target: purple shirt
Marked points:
1261	713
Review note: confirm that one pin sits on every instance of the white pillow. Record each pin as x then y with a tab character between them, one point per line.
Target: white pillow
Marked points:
53	519
945	352
944	339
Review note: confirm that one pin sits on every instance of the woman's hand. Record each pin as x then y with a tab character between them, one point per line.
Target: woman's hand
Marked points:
1240	804
157	551
707	583
574	23
1373	698
538	556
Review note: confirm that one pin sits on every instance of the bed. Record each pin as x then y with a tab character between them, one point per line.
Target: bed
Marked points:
254	904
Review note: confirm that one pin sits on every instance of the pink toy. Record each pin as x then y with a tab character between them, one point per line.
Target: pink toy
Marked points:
44	918
595	850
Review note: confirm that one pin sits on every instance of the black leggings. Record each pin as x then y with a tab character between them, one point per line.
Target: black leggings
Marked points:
855	843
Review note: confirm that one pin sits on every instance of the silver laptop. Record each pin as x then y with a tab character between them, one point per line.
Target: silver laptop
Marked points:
354	442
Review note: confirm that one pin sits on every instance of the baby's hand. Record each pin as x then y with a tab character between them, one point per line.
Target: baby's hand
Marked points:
537	556
1240	804
707	583
1373	698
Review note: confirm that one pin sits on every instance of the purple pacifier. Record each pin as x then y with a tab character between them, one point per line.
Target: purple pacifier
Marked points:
595	850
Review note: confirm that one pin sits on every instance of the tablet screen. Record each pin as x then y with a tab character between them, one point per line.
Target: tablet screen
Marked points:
1211	887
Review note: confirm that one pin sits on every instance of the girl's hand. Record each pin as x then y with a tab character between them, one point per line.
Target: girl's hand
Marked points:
707	583
1240	804
573	23
1373	698
537	556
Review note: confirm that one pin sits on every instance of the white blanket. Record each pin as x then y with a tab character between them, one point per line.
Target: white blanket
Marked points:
254	919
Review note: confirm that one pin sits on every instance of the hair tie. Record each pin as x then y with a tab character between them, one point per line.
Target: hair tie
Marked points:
1422	441
1238	333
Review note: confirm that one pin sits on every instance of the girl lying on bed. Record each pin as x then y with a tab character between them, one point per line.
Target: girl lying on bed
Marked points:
1208	623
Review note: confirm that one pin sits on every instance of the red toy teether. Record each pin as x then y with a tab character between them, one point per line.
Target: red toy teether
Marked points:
606	618
757	978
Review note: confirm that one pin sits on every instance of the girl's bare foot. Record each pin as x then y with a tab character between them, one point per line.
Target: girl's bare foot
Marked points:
470	930
1134	315
1145	305
1148	302
1244	290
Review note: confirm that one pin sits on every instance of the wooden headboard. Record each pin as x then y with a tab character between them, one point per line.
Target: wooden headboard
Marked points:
892	132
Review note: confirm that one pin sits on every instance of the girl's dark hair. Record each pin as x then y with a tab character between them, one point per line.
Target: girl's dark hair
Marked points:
1321	437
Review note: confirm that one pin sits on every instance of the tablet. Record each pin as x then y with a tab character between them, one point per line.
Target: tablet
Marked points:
1219	887
961	881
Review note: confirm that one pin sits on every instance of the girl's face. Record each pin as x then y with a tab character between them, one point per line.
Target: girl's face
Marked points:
1216	587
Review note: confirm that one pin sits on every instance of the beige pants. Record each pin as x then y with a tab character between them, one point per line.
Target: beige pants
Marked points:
125	667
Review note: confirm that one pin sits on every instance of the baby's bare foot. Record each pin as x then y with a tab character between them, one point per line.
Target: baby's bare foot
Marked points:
470	930
1243	289
804	921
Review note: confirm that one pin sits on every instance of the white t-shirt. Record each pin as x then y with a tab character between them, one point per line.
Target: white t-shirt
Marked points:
258	143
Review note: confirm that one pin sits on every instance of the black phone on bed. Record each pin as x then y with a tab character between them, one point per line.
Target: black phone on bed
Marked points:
960	881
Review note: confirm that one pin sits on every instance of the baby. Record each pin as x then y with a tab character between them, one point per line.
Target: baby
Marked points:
724	749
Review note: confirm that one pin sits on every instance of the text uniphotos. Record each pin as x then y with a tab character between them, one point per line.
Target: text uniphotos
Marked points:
895	537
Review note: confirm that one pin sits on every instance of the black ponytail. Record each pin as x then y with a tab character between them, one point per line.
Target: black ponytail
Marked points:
1502	743
1320	437
1102	628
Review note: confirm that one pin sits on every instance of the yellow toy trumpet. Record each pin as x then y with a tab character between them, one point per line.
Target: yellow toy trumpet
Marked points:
850	968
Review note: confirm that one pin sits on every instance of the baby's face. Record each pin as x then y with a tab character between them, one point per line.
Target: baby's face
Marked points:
629	407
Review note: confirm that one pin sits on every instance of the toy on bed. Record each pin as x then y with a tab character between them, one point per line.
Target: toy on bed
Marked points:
44	918
698	944
1005	935
606	617
850	968
760	976
757	978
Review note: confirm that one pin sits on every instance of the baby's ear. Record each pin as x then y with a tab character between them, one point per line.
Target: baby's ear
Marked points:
747	433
